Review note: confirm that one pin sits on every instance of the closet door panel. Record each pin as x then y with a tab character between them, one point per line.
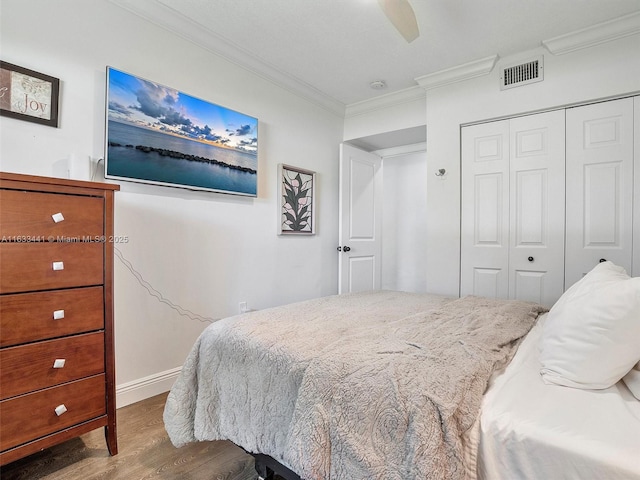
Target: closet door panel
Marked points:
636	170
536	254
599	186
485	210
488	222
530	204
487	282
529	285
602	184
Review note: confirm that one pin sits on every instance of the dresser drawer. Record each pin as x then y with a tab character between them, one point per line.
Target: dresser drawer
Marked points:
31	214
30	367
30	266
27	317
28	417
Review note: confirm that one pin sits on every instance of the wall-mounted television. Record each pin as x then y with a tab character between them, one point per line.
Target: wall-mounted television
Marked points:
159	135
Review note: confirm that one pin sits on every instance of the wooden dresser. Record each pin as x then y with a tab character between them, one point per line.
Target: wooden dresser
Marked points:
57	371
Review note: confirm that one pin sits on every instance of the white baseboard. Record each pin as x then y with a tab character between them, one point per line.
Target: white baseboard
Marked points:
142	388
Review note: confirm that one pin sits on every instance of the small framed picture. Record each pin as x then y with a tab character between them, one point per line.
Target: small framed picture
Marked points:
28	95
296	193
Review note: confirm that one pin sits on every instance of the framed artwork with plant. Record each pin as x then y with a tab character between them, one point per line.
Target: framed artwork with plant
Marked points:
296	193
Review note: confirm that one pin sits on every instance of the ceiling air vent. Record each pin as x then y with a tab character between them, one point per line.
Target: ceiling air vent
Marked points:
522	74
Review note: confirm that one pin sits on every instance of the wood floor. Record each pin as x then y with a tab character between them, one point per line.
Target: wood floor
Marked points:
145	452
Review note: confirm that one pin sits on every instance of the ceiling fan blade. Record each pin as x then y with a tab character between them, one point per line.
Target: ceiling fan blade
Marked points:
400	13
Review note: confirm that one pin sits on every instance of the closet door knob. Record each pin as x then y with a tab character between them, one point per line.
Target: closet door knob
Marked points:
530	259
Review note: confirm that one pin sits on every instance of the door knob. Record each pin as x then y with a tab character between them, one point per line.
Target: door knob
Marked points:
603	260
530	259
346	249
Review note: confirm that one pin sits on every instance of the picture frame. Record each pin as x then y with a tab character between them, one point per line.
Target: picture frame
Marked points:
296	205
162	136
28	95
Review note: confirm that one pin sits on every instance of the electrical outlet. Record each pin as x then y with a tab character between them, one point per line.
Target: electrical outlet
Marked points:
243	307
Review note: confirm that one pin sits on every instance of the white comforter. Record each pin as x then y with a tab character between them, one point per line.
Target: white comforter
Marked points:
369	386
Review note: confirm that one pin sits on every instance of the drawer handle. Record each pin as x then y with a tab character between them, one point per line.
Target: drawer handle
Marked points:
57	217
58	265
59	363
60	409
58	314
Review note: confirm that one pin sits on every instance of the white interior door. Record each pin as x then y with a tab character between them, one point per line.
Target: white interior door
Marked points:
484	262
599	186
537	206
359	267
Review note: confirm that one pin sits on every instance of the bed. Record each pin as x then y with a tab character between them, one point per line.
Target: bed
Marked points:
393	386
532	430
568	405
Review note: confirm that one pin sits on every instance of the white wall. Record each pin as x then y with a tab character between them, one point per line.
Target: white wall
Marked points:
605	70
404	222
203	251
387	113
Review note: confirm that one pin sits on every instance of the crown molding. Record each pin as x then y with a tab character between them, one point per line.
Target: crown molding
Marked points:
159	14
458	73
385	101
594	35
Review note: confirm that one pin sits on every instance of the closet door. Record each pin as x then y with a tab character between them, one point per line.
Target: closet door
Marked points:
537	167
484	262
512	243
599	186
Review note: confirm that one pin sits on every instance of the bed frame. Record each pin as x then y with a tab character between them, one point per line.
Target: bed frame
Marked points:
270	469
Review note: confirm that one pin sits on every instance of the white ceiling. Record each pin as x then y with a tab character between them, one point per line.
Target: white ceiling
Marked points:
333	49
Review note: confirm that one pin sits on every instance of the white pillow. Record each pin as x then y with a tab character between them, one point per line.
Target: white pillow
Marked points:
592	336
632	380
